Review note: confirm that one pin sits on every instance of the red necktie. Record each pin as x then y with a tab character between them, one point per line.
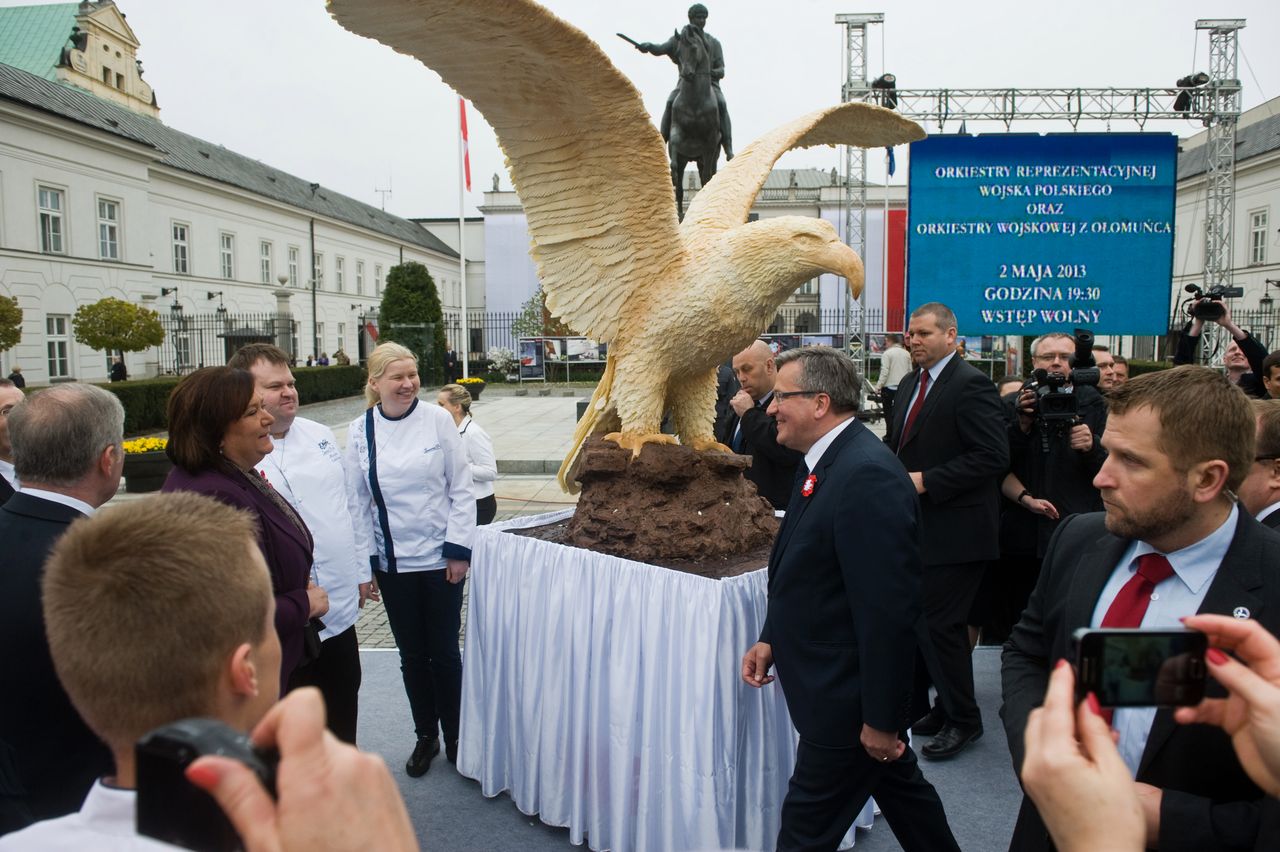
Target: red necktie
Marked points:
1134	597
916	406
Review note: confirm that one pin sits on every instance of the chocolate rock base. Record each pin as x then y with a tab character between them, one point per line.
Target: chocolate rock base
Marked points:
668	503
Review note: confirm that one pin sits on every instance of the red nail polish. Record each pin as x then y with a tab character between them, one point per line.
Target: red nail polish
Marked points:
1094	707
204	777
1216	657
1061	662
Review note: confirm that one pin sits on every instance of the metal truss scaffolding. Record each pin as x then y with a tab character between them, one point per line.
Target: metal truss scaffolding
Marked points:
1215	103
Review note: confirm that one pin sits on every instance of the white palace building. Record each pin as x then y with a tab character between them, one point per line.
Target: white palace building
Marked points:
98	197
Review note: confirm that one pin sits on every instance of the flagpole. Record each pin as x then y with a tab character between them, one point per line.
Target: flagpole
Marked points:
463	179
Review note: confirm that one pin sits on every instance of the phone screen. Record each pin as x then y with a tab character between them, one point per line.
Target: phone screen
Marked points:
1142	668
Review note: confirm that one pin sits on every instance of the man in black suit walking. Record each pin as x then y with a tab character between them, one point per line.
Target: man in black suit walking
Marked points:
1260	491
1172	542
949	433
68	456
10	395
753	431
844	601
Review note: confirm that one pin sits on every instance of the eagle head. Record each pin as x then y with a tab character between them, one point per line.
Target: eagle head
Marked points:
778	255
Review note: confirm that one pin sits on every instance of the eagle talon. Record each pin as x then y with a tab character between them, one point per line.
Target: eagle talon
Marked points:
635	441
704	445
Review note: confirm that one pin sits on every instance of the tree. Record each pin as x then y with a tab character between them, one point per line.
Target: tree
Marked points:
10	323
411	315
115	325
536	321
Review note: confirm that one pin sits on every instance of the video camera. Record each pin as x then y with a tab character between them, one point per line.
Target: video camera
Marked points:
1206	305
1057	410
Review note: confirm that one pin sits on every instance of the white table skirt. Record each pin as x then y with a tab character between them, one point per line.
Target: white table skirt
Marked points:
605	696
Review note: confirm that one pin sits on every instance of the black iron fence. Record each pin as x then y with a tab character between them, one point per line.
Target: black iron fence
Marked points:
198	340
192	341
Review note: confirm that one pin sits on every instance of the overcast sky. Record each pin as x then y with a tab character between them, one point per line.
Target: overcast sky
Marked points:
278	80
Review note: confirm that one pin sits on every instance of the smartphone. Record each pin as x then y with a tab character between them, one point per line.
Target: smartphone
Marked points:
1141	668
172	809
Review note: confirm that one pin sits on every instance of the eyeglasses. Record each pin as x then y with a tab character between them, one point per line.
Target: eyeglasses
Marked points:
782	396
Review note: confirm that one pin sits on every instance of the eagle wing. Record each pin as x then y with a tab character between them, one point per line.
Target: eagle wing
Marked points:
727	199
583	154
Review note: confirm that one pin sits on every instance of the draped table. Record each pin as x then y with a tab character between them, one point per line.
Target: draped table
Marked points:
605	696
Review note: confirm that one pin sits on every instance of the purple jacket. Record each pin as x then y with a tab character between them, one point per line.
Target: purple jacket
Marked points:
287	551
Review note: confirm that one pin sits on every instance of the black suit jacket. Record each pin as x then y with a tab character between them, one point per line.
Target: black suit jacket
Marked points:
6	490
959	442
57	757
1272	520
1209	803
773	466
844	594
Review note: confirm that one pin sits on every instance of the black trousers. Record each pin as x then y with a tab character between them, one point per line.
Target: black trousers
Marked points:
336	673
425	613
949	591
830	786
486	508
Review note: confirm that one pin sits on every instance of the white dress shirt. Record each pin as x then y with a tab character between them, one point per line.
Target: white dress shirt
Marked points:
1194	568
6	470
934	372
306	469
55	497
105	823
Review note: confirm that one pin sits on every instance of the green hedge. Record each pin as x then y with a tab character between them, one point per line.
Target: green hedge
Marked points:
144	400
1137	368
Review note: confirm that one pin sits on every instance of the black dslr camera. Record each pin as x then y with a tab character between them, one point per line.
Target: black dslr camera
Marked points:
172	809
1206	305
1057	410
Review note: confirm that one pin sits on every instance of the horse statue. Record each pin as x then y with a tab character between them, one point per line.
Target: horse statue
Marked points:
695	115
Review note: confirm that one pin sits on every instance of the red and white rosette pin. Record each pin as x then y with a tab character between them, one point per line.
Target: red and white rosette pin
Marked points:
810	482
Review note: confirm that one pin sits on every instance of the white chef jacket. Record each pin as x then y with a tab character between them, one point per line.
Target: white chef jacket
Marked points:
484	465
105	823
306	469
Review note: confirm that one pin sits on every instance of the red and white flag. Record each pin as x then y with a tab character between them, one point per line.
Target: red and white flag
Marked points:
466	148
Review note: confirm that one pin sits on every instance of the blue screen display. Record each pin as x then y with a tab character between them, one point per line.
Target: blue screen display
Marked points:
1029	234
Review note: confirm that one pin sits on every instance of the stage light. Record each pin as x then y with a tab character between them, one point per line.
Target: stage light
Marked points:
887	84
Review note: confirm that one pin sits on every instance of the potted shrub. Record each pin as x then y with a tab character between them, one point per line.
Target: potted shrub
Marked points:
474	385
145	464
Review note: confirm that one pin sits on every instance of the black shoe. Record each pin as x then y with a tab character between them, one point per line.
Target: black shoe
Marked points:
420	761
929	724
950	741
451	751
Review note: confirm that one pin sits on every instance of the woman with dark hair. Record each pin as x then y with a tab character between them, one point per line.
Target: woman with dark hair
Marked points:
218	432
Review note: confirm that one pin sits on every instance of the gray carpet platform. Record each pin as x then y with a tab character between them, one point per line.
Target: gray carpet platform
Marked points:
449	812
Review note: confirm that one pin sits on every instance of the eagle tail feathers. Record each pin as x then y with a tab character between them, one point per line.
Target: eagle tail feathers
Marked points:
595	420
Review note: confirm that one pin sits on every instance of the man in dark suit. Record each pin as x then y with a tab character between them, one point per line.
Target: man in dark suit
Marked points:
451	365
10	395
1260	491
844	601
949	433
726	387
67	453
1172	542
753	431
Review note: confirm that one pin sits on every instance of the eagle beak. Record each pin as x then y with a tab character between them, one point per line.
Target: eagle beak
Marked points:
844	261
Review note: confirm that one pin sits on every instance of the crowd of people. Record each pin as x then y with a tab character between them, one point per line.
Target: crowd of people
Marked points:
1152	505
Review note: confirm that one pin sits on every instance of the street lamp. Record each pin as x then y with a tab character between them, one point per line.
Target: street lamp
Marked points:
216	294
175	309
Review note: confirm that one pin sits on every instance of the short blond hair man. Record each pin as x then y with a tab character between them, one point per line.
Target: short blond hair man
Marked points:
156	611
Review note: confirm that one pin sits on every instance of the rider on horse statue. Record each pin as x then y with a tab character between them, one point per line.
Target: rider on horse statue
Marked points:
695	30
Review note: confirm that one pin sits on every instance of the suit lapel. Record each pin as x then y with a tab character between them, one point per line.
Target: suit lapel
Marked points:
905	389
1234	585
270	512
799	504
1091	573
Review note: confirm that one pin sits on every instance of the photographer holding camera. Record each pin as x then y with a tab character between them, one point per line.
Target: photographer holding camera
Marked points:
1055	444
1244	355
